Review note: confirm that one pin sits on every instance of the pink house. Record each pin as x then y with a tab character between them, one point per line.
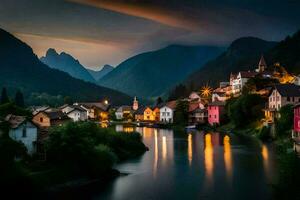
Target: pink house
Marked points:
216	110
297	120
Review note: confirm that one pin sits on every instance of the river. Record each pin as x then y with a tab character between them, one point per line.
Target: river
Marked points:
194	165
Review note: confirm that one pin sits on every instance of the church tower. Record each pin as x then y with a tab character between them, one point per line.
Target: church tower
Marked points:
135	105
261	65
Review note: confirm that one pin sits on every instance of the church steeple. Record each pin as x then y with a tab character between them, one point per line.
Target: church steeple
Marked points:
262	64
135	105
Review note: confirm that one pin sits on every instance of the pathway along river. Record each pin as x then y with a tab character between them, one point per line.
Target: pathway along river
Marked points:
195	165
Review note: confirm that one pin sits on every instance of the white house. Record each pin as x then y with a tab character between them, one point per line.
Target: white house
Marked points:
238	81
166	114
281	95
122	111
75	112
23	131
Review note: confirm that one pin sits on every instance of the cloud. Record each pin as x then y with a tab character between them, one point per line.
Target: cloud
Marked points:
152	12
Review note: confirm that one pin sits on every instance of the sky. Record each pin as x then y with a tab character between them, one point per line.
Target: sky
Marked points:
99	32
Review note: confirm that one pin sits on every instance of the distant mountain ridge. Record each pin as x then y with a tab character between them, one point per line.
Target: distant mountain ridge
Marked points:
97	75
65	62
243	54
154	73
21	69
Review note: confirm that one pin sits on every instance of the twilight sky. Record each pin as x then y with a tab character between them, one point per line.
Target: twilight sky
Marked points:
99	32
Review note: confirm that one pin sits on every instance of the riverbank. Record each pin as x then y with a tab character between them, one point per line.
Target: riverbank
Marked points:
78	155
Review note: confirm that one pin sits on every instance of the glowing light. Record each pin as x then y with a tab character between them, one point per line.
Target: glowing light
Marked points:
227	156
208	157
206	91
155	154
164	147
106	102
190	148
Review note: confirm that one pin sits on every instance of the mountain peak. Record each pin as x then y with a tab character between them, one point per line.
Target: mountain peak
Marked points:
107	67
51	52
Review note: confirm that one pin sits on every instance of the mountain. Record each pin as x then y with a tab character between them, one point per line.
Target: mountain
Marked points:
97	75
152	74
287	53
66	63
21	69
242	54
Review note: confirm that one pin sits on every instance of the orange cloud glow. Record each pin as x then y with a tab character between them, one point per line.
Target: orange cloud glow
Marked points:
150	12
91	53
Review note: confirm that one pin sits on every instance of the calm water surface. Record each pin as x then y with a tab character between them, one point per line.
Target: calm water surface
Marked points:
194	165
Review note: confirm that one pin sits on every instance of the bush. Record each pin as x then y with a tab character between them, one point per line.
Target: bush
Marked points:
284	123
245	109
85	148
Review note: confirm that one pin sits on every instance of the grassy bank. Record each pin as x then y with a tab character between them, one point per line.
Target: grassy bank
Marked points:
77	154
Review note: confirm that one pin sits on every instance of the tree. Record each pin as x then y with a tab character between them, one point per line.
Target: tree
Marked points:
181	113
245	109
159	100
19	99
285	122
180	91
68	100
4	97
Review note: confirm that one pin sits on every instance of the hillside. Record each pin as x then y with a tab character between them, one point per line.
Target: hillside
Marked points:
66	63
154	73
97	75
287	53
242	54
21	69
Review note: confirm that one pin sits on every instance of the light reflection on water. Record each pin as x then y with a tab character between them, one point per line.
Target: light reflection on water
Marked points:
194	165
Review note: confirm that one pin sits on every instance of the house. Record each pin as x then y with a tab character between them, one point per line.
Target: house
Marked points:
51	118
95	110
149	114
296	129
194	96
238	81
167	112
156	113
36	109
216	112
75	112
124	112
197	112
139	114
198	116
281	95
24	131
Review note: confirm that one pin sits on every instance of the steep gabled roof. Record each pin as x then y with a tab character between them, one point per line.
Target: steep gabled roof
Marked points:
54	115
98	105
15	121
288	90
262	61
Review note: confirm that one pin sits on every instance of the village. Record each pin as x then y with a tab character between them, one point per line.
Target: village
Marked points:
204	107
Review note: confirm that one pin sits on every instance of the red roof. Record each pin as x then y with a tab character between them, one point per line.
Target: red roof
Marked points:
249	74
193	106
172	104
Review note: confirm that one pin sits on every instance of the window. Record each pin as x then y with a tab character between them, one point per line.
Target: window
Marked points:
209	116
293	99
215	116
24	133
41	119
288	98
